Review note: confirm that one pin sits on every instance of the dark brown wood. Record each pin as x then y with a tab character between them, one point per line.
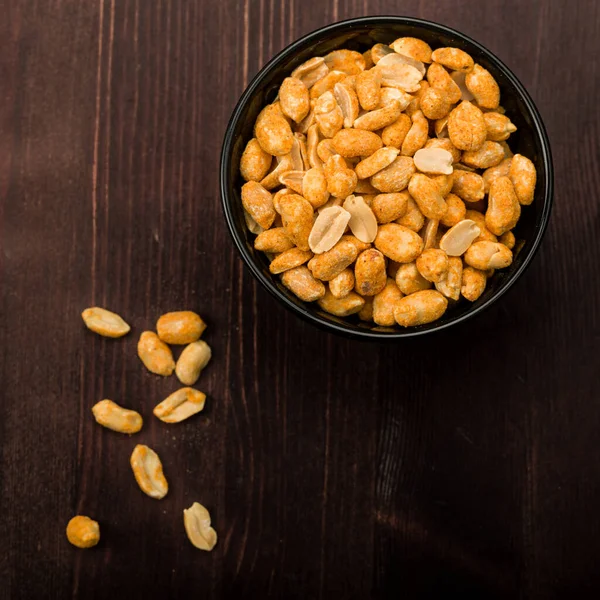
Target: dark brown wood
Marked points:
462	465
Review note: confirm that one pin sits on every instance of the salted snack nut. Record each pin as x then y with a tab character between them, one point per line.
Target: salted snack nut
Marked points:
370	272
112	416
300	281
155	354
376	162
483	86
409	280
398	243
180	405
273	240
180	327
341	307
290	259
327	265
504	209
294	99
83	532
328	228
432	264
426	194
197	523
456	241
104	322
356	142
255	162
473	283
450	283
466	127
488	255
273	132
148	472
384	304
192	361
523	175
258	201
389	207
341	285
420	308
362	222
396	176
297	216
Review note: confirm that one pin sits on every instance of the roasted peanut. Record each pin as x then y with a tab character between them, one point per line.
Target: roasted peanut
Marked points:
328	229
155	354
417	134
83	532
489	155
491	174
388	95
379	160
292	180
466	127
413	47
468	186
273	132
327	265
301	282
112	416
420	308
348	61
455	212
389	207
273	240
436	161
401	59
426	194
409	280
483	87
196	520
398	243
356	142
473	283
368	88
456	241
294	99
440	79
485	234
459	78
298	217
366	312
378	51
328	115
434	103
432	264
413	218
182	404
192	361
104	322
429	234
394	135
508	239
325	150
341	180
369	272
258	201
327	84
314	187
311	71
180	327
499	127
400	75
488	255
341	307
504	209
384	304
444	183
396	176
523	175
148	472
251	224
342	284
453	58
360	246
380	117
255	162
281	165
362	223
450	283
290	259
348	101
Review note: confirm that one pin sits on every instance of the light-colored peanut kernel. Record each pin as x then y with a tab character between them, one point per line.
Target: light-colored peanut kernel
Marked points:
155	354
255	162
251	224
473	283
258	201
341	180
426	194
314	187
488	255
360	246
396	176
348	101
299	153
486	235
329	121
459	78
180	405
290	259
362	223
450	283
483	86
104	322
523	175
398	243
440	128
394	135
415	103
348	61
380	117
369	272
196	520
401	59
435	104
453	59
148	472
508	239
298	216
112	416
420	308
294	99
277	206
272	131
273	240
504	209
466	127
327	265
180	327
365	188
328	228
378	51
491	174
402	76
409	280
499	127
413	218
468	186
376	162
455	212
312	144
368	88
280	165
388	95
292	180
83	532
436	161
417	134
325	150
433	264
389	207
356	142
327	84
307	122
300	281
456	241
413	47
311	71
489	155
384	304
429	234
342	284
440	79
341	307
192	361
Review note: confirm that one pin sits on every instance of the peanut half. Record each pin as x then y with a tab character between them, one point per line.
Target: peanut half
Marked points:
112	416
180	405
196	520
155	354
148	472
192	361
104	322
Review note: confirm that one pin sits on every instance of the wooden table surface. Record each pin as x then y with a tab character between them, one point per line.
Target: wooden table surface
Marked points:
461	465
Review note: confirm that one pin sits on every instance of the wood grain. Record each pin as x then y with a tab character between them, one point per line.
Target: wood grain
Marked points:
465	464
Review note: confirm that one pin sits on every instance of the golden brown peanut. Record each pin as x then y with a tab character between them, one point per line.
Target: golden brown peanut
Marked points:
486	235
112	416
434	103
362	223
436	161
430	234
104	322
328	115
504	209
327	84
301	282
294	99
455	212
251	224
342	284
180	405
155	354
523	176
196	520
396	59
255	162
368	59
378	51
444	183
325	150
380	117
508	239
413	219
417	134
306	123
314	187
402	76
369	272
473	283
364	188
331	263
148	472
398	243
192	361
368	88
312	146
273	240
488	255
426	194
489	155
258	201
432	264
277	206
415	103
379	160
328	229
311	71
483	87
83	532
341	180
441	128
394	135
348	61
292	180
440	79
444	144
468	186
413	47
290	259
384	304
360	246
282	164
180	327
456	241
366	312
466	127
409	280
395	177
356	142
298	216
453	59
420	308
491	174
348	101
341	307
499	127
450	283
459	78
299	153
389	94
389	207
273	132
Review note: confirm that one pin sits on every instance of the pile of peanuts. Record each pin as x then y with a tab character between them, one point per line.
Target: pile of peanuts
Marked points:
381	184
176	328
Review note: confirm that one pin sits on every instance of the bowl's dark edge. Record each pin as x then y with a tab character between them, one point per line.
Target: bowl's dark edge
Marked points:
306	314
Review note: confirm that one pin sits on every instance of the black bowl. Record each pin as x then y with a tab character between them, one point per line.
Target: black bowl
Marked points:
530	139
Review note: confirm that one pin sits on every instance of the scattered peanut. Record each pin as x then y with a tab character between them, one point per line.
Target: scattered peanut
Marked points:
191	362
83	532
181	404
155	354
112	416
196	520
182	327
104	322
148	472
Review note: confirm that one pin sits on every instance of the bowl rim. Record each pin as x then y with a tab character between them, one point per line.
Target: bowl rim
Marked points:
300	310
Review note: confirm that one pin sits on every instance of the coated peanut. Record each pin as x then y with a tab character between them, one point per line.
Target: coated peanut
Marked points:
148	472
523	175
155	354
341	307
370	272
180	405
384	304
83	532
192	361
420	308
301	282
398	243
196	520
104	322
112	416
181	327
